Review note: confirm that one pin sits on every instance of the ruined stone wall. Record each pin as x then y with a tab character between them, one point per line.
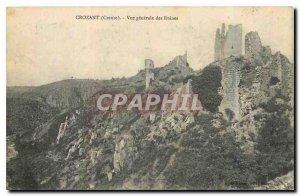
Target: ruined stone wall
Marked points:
149	66
228	43
246	80
253	45
234	41
287	76
282	69
230	88
276	65
218	45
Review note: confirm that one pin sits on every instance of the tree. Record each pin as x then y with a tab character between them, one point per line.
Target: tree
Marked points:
275	141
206	86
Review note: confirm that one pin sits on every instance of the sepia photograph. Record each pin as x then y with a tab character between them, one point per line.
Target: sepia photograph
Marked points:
150	98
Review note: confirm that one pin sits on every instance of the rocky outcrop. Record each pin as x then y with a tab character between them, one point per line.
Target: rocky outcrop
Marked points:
285	182
179	61
125	153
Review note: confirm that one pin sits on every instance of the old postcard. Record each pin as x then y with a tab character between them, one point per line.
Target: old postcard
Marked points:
150	98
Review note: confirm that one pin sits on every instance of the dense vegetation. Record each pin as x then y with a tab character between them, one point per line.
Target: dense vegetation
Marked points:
206	86
275	141
25	115
210	158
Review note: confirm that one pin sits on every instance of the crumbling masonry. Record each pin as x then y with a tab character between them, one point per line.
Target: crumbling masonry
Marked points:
149	66
229	43
256	68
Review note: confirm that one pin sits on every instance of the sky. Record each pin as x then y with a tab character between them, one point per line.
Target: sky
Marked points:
48	44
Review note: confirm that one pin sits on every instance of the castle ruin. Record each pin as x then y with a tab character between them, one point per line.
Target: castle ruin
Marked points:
149	66
253	45
246	78
278	65
228	43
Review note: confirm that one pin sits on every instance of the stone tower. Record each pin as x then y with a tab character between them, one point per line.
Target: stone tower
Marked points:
231	76
228	43
149	66
278	65
253	45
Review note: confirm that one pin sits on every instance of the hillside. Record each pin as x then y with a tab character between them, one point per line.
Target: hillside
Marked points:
69	145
